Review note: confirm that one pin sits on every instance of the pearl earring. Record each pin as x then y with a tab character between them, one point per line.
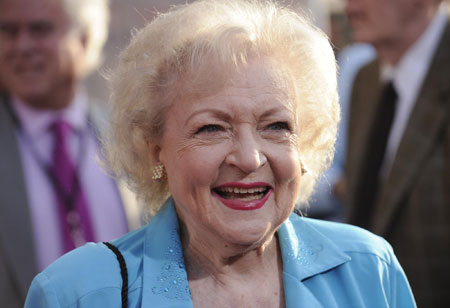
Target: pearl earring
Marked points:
303	169
159	173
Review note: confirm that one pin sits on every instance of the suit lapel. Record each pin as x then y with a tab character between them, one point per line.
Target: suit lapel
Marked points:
15	223
366	93
422	131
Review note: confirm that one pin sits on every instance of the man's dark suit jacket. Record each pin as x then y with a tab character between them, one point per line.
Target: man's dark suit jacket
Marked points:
18	263
412	210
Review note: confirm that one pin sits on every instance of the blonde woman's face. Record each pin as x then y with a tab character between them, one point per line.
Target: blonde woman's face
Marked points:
232	161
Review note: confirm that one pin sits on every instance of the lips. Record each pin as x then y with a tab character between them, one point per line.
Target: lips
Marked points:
243	196
28	71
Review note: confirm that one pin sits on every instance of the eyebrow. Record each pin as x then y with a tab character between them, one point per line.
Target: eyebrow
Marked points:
34	25
221	115
276	110
224	116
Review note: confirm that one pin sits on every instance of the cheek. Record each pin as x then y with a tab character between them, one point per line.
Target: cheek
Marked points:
52	48
197	165
287	172
287	164
68	64
65	56
191	174
5	52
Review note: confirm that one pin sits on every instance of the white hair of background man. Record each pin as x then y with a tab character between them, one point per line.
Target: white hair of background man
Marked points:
319	11
91	19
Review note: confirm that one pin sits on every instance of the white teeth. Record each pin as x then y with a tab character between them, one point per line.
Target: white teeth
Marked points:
253	197
238	190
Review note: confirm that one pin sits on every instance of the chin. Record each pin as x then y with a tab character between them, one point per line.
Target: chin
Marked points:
247	236
37	98
362	37
30	91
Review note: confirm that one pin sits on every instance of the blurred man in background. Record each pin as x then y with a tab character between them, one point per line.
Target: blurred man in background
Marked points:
326	202
398	158
53	194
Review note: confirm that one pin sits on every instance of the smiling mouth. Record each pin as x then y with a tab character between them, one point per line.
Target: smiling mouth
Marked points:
242	194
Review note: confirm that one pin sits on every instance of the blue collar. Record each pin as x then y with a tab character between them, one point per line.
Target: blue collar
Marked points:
305	252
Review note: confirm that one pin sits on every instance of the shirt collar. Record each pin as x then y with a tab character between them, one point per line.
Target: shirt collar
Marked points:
165	281
36	121
305	253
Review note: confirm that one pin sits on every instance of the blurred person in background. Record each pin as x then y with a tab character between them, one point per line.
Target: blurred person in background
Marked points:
326	201
398	158
53	194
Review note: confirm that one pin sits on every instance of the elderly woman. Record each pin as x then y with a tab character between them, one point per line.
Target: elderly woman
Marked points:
226	112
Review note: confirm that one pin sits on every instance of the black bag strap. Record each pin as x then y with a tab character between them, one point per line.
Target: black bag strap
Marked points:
123	273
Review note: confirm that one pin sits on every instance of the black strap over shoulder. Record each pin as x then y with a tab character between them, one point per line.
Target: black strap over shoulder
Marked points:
123	273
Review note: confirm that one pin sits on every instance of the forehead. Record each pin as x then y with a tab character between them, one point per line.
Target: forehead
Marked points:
261	74
259	84
26	11
383	5
264	79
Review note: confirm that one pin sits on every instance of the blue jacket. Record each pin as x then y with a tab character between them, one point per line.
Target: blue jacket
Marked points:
325	264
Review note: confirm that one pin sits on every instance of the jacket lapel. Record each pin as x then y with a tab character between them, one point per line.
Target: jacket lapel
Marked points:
14	209
423	128
366	92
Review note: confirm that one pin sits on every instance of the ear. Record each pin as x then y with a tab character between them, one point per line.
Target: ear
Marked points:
155	152
84	39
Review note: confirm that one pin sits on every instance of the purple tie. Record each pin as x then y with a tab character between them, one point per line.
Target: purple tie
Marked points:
72	206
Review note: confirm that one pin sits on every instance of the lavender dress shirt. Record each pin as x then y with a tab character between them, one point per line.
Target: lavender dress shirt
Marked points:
106	210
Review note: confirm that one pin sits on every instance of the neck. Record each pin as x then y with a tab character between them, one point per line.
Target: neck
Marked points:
224	262
55	102
56	97
393	49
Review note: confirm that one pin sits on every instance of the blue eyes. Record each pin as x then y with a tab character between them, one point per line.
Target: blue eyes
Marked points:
279	126
214	128
209	128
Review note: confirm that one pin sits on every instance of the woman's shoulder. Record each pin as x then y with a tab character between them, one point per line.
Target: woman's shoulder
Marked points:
350	239
342	257
89	270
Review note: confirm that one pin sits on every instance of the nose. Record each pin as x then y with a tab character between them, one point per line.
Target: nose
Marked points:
246	153
350	6
23	41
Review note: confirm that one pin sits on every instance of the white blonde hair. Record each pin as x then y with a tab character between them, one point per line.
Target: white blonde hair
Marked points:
193	50
91	19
